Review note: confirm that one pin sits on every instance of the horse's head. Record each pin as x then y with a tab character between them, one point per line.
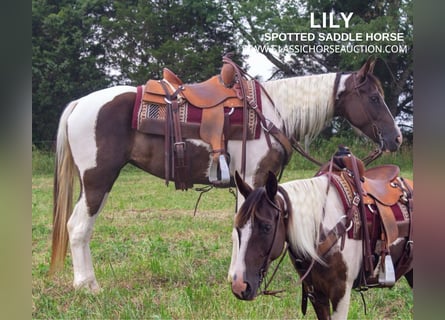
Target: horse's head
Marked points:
360	100
258	237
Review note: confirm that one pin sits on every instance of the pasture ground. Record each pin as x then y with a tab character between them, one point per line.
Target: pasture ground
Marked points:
155	260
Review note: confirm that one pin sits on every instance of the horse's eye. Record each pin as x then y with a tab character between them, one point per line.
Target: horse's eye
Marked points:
374	99
265	228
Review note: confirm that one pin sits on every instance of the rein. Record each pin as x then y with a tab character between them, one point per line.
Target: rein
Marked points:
372	155
274	293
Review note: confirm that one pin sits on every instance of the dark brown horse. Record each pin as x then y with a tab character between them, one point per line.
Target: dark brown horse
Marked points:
311	218
96	140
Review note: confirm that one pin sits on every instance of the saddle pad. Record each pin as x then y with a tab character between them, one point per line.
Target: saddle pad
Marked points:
399	210
149	117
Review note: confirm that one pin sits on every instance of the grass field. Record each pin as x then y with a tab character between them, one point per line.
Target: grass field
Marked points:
155	260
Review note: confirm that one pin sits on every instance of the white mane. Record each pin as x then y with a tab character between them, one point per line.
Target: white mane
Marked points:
308	198
305	103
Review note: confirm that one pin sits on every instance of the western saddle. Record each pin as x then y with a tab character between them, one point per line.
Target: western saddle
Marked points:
378	192
225	90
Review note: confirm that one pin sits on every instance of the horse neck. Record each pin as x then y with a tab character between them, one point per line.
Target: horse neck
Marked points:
305	104
313	203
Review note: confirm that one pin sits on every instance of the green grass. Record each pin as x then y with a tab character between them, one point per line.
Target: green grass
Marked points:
155	260
321	149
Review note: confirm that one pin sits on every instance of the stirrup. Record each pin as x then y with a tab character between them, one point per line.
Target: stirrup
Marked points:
387	276
224	170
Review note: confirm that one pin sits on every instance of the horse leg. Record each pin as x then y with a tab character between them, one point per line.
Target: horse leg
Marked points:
99	135
347	263
80	228
80	225
320	302
341	307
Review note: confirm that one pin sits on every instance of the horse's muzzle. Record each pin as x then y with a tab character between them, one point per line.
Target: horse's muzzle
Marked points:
391	145
242	290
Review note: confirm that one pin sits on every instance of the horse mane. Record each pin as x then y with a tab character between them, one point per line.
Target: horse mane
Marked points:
305	103
308	199
250	205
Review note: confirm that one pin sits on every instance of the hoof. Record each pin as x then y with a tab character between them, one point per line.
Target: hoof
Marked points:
90	286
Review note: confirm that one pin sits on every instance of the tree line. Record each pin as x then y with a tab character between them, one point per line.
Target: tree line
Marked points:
86	45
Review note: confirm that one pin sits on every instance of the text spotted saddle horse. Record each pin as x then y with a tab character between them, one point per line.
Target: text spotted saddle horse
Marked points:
229	89
379	198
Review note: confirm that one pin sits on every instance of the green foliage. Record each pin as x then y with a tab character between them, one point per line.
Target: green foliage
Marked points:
322	149
253	19
188	37
64	65
83	46
42	161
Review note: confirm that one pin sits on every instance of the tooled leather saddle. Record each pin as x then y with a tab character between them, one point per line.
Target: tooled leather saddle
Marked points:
379	206
229	90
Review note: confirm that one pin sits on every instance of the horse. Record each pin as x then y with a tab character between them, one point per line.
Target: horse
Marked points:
306	218
95	140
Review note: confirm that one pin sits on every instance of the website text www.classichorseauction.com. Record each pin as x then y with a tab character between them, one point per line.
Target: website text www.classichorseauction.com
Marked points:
317	41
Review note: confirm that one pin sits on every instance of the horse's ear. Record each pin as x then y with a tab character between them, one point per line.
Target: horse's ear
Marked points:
367	68
271	185
243	187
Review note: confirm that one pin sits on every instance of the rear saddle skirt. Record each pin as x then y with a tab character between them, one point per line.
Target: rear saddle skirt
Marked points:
387	200
212	111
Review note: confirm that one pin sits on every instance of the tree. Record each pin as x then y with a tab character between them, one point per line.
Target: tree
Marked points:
64	66
187	36
82	46
254	19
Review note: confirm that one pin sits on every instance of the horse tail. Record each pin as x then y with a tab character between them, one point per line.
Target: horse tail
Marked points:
62	192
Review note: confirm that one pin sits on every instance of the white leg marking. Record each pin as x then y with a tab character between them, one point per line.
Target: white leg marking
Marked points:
80	228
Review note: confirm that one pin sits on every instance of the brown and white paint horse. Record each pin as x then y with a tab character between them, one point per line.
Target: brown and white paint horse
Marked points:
293	212
95	140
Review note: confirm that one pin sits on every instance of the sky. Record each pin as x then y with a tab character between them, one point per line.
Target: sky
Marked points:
259	65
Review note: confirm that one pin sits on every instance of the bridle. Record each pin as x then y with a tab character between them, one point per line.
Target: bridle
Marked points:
282	213
375	129
373	155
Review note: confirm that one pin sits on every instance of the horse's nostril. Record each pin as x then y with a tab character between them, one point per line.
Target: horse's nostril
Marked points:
399	139
247	292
